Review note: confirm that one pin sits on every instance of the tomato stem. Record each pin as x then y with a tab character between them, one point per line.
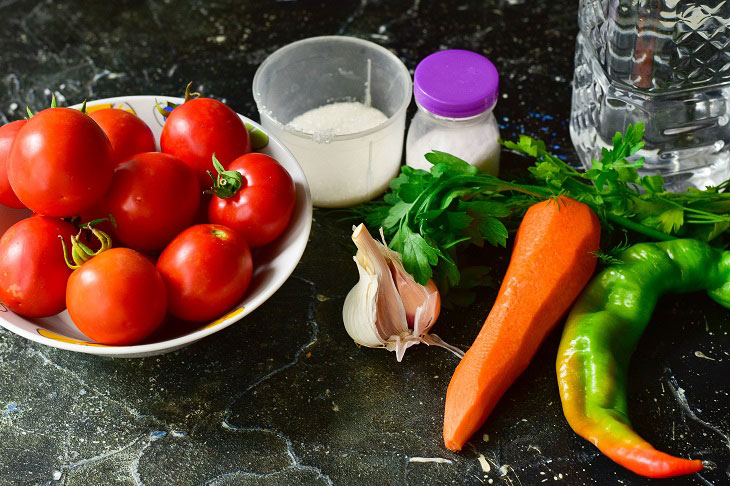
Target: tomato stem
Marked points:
97	221
188	94
227	183
65	254
80	253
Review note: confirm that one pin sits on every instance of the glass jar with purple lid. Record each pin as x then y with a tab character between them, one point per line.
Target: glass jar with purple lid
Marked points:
455	91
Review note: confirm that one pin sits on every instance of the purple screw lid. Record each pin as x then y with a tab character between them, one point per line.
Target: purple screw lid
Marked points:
456	83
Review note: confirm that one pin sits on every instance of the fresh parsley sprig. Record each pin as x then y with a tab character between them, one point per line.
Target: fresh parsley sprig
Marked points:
428	215
620	196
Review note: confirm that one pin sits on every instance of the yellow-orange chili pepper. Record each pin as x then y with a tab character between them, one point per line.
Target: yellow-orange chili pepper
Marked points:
602	332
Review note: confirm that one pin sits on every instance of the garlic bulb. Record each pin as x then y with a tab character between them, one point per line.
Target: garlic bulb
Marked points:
387	308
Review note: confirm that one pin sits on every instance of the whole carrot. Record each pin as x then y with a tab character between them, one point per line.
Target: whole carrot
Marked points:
551	262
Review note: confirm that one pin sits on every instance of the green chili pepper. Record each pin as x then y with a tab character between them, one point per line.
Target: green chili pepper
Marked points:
603	330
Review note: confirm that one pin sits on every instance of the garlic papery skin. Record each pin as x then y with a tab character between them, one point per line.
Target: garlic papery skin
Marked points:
379	308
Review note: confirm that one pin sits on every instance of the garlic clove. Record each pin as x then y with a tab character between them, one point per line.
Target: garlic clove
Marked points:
359	312
390	317
387	307
373	311
422	303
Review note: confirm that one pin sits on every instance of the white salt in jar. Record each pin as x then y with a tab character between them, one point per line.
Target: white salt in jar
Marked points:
455	91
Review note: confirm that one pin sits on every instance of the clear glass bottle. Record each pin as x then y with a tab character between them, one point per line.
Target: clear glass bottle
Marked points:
664	63
455	91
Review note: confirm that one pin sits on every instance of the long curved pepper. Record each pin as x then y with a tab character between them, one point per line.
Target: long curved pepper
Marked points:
602	332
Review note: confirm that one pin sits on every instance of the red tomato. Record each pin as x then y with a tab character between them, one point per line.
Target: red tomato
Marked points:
201	127
207	269
261	209
7	135
153	197
60	163
33	273
117	297
128	134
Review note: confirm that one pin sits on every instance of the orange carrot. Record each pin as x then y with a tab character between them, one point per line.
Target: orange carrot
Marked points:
551	262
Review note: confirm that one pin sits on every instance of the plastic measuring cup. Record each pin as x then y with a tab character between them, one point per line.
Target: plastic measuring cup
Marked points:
342	170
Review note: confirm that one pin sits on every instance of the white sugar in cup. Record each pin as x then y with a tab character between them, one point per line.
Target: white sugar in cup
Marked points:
342	169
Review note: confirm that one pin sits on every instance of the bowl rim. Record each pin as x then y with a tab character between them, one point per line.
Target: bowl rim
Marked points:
169	345
337	38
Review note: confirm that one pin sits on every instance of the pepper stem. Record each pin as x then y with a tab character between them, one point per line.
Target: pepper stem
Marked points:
80	253
227	183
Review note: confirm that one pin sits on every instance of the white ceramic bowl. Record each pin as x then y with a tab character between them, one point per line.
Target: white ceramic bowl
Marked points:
272	264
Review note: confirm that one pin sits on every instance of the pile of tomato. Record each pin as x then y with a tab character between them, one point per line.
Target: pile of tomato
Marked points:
122	235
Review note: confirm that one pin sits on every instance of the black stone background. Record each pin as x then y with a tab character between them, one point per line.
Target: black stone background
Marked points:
285	396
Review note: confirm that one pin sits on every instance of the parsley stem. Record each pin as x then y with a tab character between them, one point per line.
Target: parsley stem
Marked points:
639	228
456	242
534	191
712	218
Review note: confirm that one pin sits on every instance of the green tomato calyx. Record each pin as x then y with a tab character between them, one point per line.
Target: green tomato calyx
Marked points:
54	104
227	183
80	253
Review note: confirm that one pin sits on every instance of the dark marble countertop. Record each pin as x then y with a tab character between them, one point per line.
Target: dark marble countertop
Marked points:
284	396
